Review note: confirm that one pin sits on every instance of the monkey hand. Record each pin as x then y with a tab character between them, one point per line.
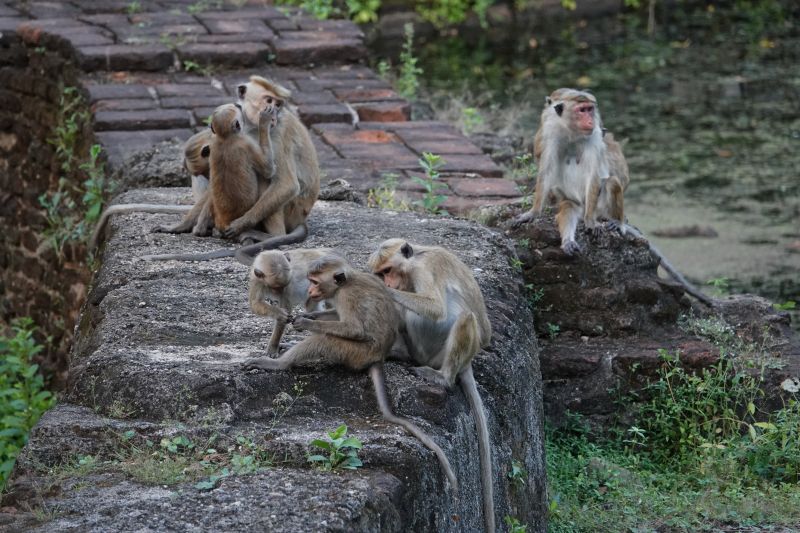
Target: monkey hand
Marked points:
301	323
235	228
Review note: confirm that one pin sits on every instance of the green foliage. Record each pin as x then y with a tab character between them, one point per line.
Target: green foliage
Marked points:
431	199
22	395
533	295
203	5
385	196
471	119
363	11
71	119
518	475
788	305
569	5
408	79
94	186
133	7
553	330
320	9
193	66
342	451
514	525
721	285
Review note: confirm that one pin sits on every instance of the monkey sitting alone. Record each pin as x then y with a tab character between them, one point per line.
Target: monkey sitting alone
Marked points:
444	326
580	166
358	332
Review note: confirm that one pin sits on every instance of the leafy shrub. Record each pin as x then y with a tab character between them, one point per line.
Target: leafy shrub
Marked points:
342	451
22	395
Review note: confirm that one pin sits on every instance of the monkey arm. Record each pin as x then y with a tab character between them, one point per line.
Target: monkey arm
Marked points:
430	307
257	296
337	328
265	121
283	188
325	314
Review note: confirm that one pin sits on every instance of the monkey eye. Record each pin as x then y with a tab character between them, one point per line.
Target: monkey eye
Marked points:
278	103
384	272
269	99
238	106
586	109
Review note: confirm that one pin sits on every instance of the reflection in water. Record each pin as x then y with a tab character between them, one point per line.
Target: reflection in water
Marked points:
710	108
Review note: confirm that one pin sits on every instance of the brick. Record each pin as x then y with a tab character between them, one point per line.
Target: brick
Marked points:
115	90
484	187
105	19
190	102
365	95
254	28
360	137
478	164
408	126
345	72
226	54
316	97
201	114
114	6
342	129
188	89
282	24
125	57
140	120
304	50
384	111
122	144
44	10
340	27
87	36
315	113
9	24
320	84
162	18
6	11
262	13
443	147
458	205
53	22
133	104
395	154
232	38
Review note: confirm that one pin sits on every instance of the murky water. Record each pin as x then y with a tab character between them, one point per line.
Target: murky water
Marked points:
710	108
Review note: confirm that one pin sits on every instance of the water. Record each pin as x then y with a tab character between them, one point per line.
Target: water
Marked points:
709	106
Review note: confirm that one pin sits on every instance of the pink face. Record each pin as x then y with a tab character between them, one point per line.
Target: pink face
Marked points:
583	115
390	276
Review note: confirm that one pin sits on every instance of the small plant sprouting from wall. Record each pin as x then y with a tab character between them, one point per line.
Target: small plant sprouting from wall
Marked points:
408	78
385	196
431	199
22	396
342	451
72	210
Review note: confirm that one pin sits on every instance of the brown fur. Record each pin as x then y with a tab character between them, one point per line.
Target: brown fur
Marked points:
445	325
360	334
558	147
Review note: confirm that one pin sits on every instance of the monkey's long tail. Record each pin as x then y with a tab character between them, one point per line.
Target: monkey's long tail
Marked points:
470	389
100	228
244	254
376	373
677	276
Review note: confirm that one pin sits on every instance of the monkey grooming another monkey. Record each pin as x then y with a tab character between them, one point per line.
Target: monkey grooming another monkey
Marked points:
445	325
583	169
358	333
281	277
286	200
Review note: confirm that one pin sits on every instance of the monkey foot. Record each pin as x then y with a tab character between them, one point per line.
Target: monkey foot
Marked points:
594	231
429	374
522	219
571	248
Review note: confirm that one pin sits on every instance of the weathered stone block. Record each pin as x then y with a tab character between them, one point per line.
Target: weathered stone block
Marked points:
384	111
117	91
303	49
315	113
227	54
141	120
125	57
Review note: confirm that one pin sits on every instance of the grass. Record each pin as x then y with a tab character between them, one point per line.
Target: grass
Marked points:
697	452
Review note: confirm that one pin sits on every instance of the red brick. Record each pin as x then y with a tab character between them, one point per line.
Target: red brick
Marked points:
232	38
478	164
140	120
413	135
455	146
398	156
314	113
403	126
338	26
360	137
225	54
125	57
384	111
484	187
365	95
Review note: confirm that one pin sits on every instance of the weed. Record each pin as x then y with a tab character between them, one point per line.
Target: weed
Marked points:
320	9
203	5
721	286
363	11
516	264
383	67
385	196
533	295
40	50
71	120
342	451
514	525
133	7
408	79
22	396
284	402
523	168
431	199
553	330
518	475
118	409
525	243
785	306
193	66
470	119
94	186
172	41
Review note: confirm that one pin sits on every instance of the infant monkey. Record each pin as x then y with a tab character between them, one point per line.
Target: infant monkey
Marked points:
358	333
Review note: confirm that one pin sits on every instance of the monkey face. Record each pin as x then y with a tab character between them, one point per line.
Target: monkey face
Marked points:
226	120
391	263
583	117
324	284
196	152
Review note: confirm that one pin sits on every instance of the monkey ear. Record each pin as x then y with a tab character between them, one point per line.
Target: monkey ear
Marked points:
241	90
547	100
559	109
212	128
339	278
406	250
258	273
205	151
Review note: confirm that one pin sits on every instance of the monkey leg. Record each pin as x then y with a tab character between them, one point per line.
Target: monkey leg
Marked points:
593	191
309	349
617	208
277	333
274	227
567	219
463	342
205	221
